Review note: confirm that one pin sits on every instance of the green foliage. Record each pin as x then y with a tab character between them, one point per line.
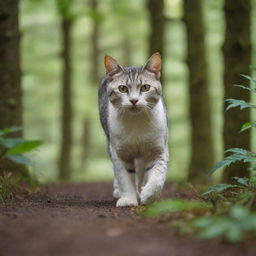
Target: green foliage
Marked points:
223	196
63	7
218	188
24	147
235	202
233	103
231	214
238	155
10	130
14	148
247	126
233	227
7	184
175	205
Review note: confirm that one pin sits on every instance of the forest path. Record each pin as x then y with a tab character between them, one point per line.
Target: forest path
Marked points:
81	219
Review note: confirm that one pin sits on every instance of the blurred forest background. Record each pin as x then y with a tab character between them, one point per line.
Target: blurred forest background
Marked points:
62	46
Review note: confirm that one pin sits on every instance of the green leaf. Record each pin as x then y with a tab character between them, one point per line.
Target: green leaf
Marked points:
238	150
253	168
219	188
247	126
225	163
242	180
245	87
239	103
239	155
249	78
233	227
234	234
11	142
10	130
211	228
175	205
19	159
239	213
24	147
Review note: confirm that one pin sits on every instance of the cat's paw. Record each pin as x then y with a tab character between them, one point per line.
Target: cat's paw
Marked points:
116	193
126	201
150	195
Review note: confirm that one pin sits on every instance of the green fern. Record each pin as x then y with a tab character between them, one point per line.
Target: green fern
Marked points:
239	154
233	103
247	126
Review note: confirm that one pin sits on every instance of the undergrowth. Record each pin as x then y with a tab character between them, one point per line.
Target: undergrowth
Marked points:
225	211
12	150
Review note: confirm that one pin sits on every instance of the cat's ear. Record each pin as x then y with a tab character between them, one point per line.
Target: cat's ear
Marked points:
153	64
112	67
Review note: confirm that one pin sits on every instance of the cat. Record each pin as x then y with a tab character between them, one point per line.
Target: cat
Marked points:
133	117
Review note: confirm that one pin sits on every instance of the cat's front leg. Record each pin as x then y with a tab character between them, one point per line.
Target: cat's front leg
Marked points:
125	183
116	192
155	179
126	187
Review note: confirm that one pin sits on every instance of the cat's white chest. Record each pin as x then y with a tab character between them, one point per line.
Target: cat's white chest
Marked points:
138	135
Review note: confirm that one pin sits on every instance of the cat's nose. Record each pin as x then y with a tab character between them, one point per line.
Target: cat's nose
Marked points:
133	101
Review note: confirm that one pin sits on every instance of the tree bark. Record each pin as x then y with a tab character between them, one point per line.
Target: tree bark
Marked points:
237	59
157	25
95	75
10	76
66	123
10	71
202	154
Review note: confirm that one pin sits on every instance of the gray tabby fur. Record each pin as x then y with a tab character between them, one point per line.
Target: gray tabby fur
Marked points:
137	134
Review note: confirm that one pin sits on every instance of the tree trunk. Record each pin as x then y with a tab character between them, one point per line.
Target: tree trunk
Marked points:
10	72
199	101
10	76
157	25
237	59
95	46
66	133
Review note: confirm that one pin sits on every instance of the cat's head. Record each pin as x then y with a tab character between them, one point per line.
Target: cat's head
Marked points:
134	88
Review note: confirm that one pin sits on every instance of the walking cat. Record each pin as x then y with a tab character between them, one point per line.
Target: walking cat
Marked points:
133	116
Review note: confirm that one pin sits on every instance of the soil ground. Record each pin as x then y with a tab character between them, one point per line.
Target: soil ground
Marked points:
81	219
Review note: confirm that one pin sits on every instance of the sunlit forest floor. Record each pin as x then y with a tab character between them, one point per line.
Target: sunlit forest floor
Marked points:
81	219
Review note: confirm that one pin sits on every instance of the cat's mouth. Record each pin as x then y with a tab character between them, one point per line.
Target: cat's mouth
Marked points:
135	109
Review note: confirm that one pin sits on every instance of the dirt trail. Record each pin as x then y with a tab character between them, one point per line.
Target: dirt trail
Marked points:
81	219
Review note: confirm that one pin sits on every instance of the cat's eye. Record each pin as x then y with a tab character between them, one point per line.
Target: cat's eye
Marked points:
123	88
145	88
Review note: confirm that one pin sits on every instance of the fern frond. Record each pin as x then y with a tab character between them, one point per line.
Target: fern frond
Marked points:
249	78
247	126
239	155
233	103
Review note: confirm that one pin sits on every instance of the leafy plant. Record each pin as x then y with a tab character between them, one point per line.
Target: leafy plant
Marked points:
7	184
228	212
239	154
14	148
239	199
233	227
223	196
175	205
